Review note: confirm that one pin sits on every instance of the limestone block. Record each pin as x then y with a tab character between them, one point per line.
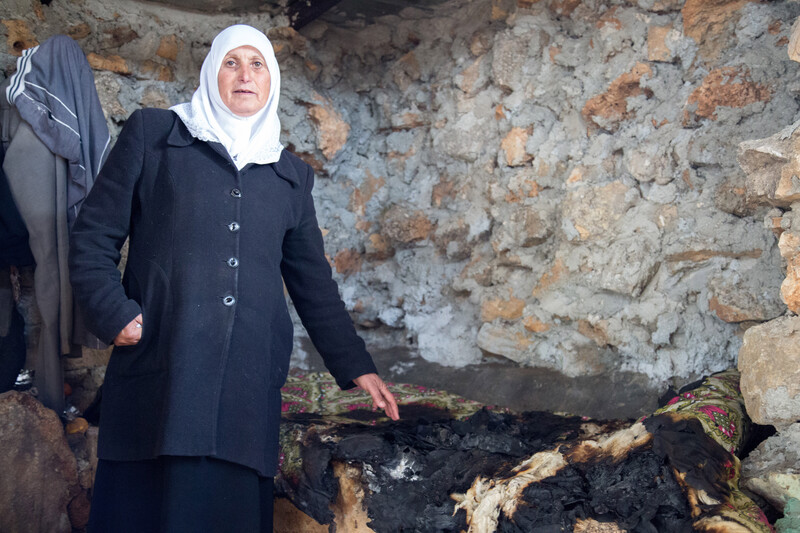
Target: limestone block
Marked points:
332	130
625	266
709	23
609	109
117	36
510	309
405	227
661	6
649	162
19	36
40	476
657	49
731	197
452	239
773	469
564	7
724	86
789	244
348	262
589	212
513	145
773	167
463	138
113	63
740	296
509	55
378	248
155	97
406	70
169	47
79	31
794	41
769	361
790	288
509	342
530	225
519	344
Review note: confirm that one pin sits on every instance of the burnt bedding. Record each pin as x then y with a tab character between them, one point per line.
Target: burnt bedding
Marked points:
454	465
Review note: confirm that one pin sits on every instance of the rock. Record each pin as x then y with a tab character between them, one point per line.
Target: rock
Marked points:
773	469
509	342
332	130
112	63
530	225
169	47
773	168
769	361
794	42
741	296
40	476
403	227
79	509
790	288
709	22
118	36
518	344
79	31
510	309
589	212
731	197
657	49
509	53
378	248
474	77
19	36
348	262
84	446
625	266
364	193
154	97
724	86
513	146
406	71
564	7
609	109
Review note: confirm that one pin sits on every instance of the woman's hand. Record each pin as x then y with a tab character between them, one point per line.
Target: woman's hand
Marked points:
131	334
381	397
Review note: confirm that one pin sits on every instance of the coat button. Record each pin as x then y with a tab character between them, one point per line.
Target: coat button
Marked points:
236	193
233	226
228	301
233	262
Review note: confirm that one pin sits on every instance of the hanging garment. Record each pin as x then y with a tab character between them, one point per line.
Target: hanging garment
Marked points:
57	140
14	251
53	90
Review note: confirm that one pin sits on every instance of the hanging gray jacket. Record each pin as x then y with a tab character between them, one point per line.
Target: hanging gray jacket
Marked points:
53	90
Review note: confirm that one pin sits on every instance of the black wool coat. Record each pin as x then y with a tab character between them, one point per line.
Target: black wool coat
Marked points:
209	246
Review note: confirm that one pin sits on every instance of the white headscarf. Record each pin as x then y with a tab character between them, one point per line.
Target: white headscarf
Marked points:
253	139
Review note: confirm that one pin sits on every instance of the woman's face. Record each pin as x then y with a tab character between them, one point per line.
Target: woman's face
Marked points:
244	81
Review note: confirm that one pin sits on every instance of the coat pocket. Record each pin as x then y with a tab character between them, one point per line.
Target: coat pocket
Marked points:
148	285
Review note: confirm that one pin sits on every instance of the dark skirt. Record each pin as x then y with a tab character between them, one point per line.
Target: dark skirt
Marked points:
180	495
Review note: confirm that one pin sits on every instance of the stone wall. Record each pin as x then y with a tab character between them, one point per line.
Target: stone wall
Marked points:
553	182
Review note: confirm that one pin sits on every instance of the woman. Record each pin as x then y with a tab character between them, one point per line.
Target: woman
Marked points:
218	214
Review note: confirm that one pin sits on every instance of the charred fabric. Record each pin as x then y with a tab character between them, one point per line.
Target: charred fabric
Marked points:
418	473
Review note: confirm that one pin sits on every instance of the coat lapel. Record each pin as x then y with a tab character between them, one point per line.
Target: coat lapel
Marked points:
286	170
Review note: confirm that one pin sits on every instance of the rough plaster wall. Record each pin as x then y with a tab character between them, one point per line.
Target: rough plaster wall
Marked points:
554	182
